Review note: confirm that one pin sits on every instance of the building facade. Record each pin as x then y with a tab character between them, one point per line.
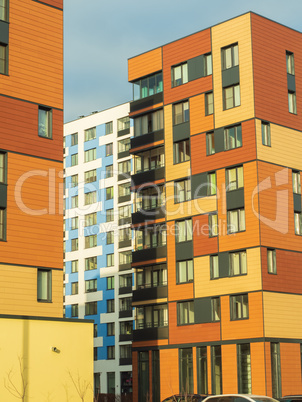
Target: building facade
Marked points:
31	208
98	241
217	240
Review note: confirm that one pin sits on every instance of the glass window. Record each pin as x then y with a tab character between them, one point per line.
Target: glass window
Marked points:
2	224
110	329
74	139
211	183
186	371
124	189
90	134
210	143
124	234
125	304
90	176
74	244
74	310
148	86
149	198
90	155
109	149
90	241
90	198
45	119
215	309
237	261
207	64
109	215
74	266
209	103
109	193
123	123
91	285
182	190
43	285
149	160
91	308
296	182
292	104
74	201
149	123
236	220
124	145
3	70
110	306
184	271
125	281
181	112
271	261
124	212
108	127
90	263
239	307
2	167
290	65
110	260
126	327
90	219
214	267
184	230
244	368
232	137
74	222
74	180
181	151
213	225
179	74
125	257
234	178
110	237
202	370
185	312
125	168
298	223
74	159
109	171
230	56
3	10
110	282
231	96
276	370
266	133
74	288
152	276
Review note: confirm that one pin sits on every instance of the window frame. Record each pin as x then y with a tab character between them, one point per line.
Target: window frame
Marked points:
90	285
242	263
209	106
44	295
239	178
184	115
240	225
46	121
183	74
290	63
266	133
90	261
3	224
89	134
182	151
188	310
186	190
189	276
239	300
292	102
215	309
188	230
271	261
109	127
234	56
234	99
90	155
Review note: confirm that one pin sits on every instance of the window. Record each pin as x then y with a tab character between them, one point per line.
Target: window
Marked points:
213	225
90	176
111	383
91	308
185	313
110	237
125	281
110	306
124	212
292	104
109	149
110	329
90	241
74	139
298	223
151	316
186	371
276	370
125	257
216	364
90	263
179	74
90	219
229	56
3	10
182	190
74	266
90	198
181	113
110	282
74	244
126	327
181	151
208	64
109	171
214	267
236	220
231	96
95	353
74	159
74	223
123	145
202	370
184	271
211	182
109	193
74	180
238	265
124	189
266	133
239	307
150	237
148	86
296	182
149	160
110	260
271	261
184	230
125	304
244	368
75	288
151	276
215	309
45	116
209	103
44	285
290	65
95	330
232	137
91	285
90	134
2	224
125	351
108	127
123	123
125	168
124	234
148	123
90	155
109	215
74	310
210	140
234	178
74	201
110	352
2	167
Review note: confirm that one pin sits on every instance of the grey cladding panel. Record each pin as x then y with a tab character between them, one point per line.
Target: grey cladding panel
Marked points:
223	259
199	185
297	202
4	27
181	131
195	68
184	251
3	195
219	140
202	310
235	199
291	82
230	76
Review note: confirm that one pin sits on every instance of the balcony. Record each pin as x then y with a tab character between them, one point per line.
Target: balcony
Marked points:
125	337
148	215
125	290
147	138
150	293
146	102
150	334
149	254
125	361
148	176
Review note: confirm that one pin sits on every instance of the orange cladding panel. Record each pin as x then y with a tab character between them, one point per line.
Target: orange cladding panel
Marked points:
169	373
135	376
290	356
34	213
199	122
145	64
202	243
229	368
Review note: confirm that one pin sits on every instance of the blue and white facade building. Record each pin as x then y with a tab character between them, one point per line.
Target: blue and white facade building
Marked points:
98	242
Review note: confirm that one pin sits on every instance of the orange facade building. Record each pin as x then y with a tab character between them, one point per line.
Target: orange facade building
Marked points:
217	219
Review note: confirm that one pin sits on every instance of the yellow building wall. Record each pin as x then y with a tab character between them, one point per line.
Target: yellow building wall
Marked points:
282	315
48	375
227	33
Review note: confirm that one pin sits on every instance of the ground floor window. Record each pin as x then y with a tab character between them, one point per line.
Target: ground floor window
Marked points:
244	368
216	369
186	371
202	372
276	370
143	376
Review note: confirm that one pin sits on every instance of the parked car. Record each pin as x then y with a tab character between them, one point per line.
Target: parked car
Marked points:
185	398
239	398
291	398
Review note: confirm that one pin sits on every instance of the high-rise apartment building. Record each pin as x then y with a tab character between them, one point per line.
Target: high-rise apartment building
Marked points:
98	242
38	360
217	138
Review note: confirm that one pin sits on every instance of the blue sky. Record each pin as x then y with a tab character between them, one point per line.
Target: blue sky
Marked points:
100	36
